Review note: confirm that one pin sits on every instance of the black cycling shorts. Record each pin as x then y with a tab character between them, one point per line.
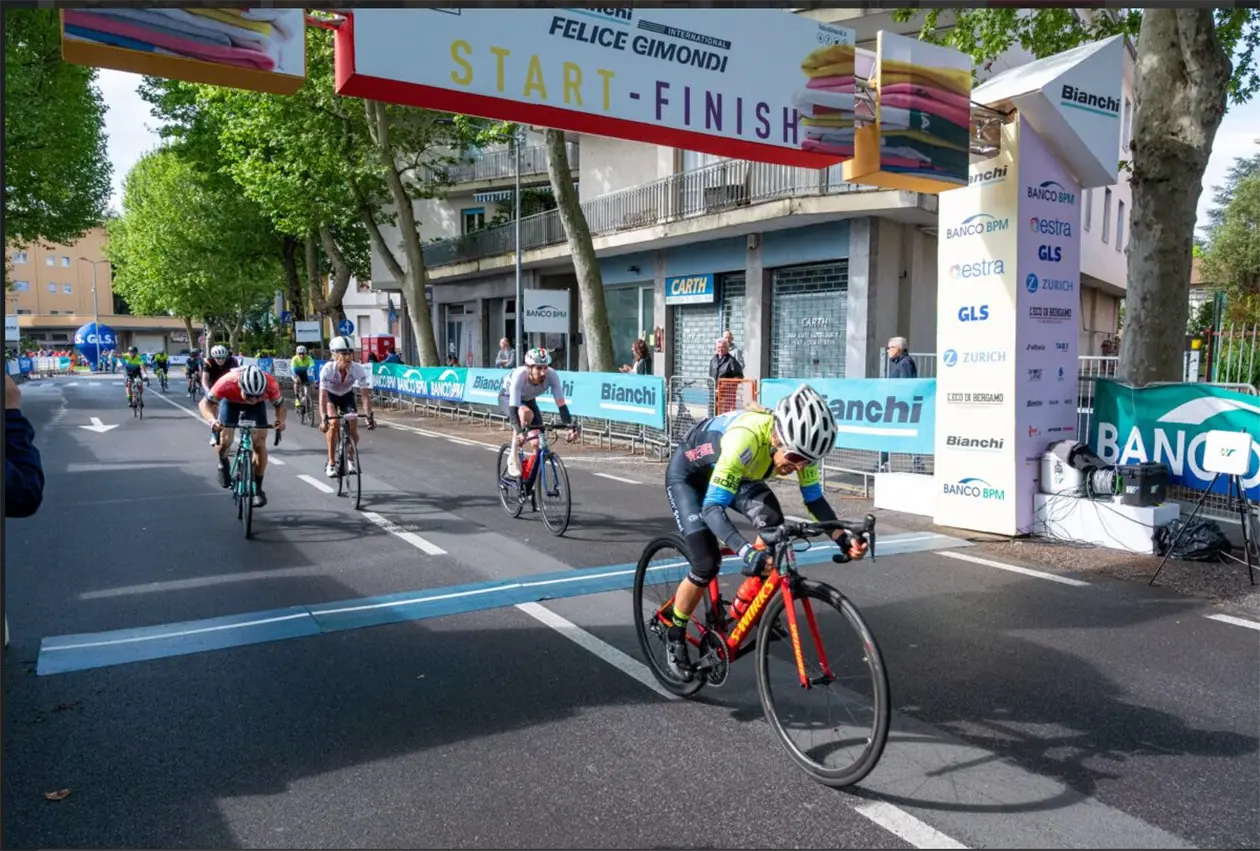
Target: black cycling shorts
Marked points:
754	500
532	404
231	412
343	402
301	376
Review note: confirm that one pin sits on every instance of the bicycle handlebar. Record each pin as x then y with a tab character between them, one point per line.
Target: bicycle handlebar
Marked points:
783	535
251	426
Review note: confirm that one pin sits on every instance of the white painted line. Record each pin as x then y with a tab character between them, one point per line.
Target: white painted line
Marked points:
410	602
461	442
271	459
1235	621
1012	568
160	636
617	478
315	483
410	537
602	649
918	833
189	411
427	433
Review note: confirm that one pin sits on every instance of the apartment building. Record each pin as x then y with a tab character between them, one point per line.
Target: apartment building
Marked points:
810	273
52	297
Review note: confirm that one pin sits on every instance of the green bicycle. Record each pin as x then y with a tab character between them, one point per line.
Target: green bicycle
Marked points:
242	475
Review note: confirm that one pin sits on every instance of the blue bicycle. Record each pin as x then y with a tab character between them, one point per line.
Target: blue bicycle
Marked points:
242	471
541	473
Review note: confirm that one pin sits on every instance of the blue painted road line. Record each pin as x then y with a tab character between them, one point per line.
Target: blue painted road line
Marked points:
66	653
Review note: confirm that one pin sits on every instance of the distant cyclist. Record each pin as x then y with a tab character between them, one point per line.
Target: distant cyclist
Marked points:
242	394
133	369
723	463
301	365
219	364
518	401
338	380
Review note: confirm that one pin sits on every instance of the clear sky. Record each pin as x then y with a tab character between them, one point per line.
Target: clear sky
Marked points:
132	132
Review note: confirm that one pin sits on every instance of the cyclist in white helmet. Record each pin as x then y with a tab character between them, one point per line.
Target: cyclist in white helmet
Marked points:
723	462
219	364
338	379
517	399
242	394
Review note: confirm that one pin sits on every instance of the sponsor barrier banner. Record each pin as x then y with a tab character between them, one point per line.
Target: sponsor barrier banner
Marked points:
1169	424
638	399
872	414
420	382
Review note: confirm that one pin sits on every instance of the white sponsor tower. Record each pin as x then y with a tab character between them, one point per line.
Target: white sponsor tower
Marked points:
1009	289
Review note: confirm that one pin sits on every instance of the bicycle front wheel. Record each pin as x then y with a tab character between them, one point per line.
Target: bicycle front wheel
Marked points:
354	482
557	503
246	486
835	729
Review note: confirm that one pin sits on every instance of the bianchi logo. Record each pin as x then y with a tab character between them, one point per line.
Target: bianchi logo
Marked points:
991	444
988	175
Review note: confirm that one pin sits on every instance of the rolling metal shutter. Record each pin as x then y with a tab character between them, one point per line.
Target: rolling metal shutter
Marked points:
810	308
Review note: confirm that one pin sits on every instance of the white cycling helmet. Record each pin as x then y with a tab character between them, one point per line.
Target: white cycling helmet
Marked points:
253	381
301	350
341	344
804	423
219	352
537	357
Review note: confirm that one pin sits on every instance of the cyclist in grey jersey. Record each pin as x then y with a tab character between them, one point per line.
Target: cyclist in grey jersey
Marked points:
518	401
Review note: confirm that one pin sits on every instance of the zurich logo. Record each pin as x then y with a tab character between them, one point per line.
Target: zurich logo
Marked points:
1030	283
951	357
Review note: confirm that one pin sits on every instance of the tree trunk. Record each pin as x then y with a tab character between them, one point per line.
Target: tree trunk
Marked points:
314	284
1179	88
417	275
234	334
341	274
293	280
595	332
192	334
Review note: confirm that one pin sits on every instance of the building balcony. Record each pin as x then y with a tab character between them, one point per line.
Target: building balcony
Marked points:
497	168
711	191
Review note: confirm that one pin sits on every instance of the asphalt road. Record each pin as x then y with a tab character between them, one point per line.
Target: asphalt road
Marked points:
1028	712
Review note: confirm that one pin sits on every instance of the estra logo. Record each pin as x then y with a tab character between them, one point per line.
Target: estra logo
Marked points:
1050	227
977	269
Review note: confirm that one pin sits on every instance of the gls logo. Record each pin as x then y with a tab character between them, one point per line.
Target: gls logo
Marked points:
979	269
1050	190
1050	253
973	313
980	223
1050	227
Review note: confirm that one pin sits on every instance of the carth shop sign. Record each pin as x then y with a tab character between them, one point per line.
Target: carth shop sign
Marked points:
699	79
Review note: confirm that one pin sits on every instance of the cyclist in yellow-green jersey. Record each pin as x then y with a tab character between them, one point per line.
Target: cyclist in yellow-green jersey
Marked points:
133	368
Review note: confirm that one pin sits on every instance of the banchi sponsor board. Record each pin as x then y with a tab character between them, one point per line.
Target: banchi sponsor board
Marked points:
873	414
699	79
976	335
638	399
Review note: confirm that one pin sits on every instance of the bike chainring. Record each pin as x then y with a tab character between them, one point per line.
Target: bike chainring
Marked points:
714	657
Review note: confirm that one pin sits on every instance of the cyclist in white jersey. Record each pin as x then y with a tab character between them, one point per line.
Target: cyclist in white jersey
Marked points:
517	399
337	382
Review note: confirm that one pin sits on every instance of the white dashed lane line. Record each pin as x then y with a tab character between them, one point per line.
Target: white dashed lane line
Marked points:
315	483
1013	568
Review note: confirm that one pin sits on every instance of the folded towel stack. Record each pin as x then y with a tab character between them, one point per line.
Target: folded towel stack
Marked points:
246	38
827	102
925	111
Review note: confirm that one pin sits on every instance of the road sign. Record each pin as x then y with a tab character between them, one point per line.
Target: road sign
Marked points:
345	327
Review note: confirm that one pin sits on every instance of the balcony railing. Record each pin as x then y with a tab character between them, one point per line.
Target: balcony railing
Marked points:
496	165
723	186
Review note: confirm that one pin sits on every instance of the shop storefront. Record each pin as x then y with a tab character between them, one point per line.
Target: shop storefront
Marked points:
808	325
703	306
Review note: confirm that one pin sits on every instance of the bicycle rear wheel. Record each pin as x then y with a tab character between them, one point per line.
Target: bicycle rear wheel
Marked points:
508	486
661	567
849	690
354	482
557	502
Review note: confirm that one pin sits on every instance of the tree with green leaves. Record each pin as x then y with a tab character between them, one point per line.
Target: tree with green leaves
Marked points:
1239	170
1183	82
596	332
191	245
1232	258
56	171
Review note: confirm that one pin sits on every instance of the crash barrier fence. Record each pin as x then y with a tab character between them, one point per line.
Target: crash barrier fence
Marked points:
650	414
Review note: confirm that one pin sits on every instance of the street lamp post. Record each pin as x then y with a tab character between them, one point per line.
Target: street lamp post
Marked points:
520	296
96	310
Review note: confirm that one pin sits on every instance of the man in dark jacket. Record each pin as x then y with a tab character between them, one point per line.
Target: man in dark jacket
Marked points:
23	472
723	365
900	364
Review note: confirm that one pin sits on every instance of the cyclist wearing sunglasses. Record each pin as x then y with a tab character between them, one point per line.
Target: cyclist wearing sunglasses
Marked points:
724	462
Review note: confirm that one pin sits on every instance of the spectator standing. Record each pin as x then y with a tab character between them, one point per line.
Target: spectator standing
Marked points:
642	363
506	356
736	351
723	365
393	357
23	468
901	365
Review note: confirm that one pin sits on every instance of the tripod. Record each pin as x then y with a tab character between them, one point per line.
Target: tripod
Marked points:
1244	516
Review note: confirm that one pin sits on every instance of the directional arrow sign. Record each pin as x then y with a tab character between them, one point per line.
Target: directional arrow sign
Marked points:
98	426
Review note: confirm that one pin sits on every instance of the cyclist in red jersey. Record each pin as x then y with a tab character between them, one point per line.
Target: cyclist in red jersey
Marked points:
241	394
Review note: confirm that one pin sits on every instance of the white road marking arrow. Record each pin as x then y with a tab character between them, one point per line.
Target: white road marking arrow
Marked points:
98	426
